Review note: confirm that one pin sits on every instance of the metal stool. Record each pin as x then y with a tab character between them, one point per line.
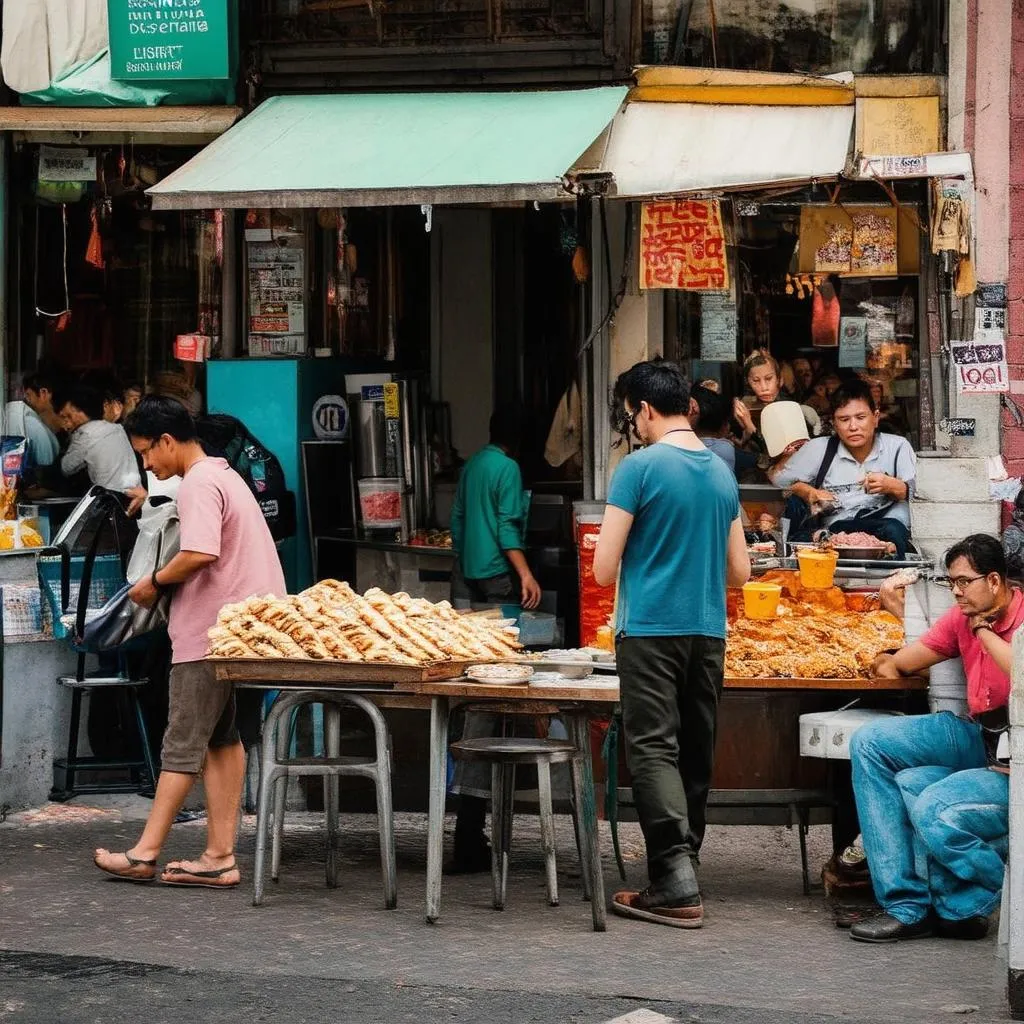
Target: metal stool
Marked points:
503	754
278	765
142	770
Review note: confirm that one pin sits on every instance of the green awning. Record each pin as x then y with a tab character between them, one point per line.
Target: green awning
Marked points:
388	149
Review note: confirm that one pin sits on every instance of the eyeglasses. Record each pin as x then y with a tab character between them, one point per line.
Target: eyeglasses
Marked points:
960	583
630	418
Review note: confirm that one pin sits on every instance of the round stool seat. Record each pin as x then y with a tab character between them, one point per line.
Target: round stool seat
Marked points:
514	750
95	682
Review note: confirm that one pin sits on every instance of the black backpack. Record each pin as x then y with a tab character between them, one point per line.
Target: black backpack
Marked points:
229	438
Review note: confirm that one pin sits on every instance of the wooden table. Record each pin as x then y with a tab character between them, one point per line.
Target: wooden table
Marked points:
576	703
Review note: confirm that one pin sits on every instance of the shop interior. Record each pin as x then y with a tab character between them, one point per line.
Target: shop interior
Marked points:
464	309
786	307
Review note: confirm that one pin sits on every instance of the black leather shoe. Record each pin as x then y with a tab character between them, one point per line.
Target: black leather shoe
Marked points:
970	929
887	929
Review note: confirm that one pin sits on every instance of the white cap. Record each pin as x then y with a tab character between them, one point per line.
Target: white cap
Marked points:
782	423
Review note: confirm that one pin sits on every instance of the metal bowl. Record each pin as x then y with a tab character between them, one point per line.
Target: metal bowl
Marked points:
863	554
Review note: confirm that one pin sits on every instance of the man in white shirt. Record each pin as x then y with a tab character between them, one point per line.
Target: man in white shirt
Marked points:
100	448
21	421
865	477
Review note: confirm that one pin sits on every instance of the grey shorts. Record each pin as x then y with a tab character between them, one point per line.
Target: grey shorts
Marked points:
201	715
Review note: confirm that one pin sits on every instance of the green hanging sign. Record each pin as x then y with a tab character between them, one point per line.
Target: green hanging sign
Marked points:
170	39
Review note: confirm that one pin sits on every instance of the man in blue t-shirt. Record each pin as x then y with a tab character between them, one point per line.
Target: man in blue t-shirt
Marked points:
672	536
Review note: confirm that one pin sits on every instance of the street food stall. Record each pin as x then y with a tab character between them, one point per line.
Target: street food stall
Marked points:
796	644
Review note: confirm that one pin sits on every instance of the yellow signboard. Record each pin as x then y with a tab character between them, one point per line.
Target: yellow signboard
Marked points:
904	126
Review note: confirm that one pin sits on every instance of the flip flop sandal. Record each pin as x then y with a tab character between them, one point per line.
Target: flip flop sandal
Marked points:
201	879
133	862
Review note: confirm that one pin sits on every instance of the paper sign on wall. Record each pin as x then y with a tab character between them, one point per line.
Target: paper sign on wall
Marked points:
718	327
66	164
990	320
981	367
682	245
853	341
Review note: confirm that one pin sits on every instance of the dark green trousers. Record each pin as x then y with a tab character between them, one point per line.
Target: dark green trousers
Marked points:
670	686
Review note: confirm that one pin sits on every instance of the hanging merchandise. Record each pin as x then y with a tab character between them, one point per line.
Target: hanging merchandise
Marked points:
966	280
94	250
825	316
565	439
951	222
61	316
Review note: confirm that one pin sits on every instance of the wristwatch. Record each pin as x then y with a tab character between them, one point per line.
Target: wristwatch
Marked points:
981	625
152	579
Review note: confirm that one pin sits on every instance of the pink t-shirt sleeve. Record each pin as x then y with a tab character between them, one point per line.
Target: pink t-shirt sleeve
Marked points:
201	507
943	637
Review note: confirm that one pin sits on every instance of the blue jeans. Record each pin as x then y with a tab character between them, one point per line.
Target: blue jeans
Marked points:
935	820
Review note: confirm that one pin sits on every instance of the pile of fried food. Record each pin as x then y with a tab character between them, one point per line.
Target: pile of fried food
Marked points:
330	621
819	634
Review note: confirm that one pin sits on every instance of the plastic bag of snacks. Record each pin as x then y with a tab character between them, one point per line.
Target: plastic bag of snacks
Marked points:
12	465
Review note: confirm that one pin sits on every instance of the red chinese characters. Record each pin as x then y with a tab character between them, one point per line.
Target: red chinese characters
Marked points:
682	245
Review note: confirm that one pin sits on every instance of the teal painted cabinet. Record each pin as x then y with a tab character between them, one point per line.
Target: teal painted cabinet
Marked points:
274	398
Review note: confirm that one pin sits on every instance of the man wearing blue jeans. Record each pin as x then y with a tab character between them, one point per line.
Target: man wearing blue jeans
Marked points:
932	798
673	526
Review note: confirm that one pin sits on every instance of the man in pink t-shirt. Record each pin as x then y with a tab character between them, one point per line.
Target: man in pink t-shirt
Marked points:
931	795
227	555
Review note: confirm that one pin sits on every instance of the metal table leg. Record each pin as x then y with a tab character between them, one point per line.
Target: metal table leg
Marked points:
579	725
438	785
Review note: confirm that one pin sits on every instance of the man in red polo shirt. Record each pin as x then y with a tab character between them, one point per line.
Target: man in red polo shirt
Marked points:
932	800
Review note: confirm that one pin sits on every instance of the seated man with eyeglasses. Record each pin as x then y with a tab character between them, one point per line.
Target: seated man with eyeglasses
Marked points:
932	797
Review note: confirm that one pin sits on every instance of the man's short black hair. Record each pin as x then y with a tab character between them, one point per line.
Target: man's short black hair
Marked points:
49	378
507	427
714	409
657	382
84	397
155	416
852	390
984	553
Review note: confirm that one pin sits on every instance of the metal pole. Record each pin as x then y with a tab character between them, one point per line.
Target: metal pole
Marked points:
229	286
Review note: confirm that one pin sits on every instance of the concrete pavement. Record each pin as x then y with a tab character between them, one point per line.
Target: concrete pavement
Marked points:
766	953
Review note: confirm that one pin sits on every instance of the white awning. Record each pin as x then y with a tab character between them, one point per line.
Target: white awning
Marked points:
661	149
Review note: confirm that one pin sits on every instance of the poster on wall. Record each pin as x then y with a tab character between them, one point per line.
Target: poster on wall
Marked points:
855	241
682	245
718	322
989	320
826	240
874	242
980	367
277	312
853	342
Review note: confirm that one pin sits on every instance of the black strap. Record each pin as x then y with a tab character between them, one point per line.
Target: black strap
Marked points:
826	463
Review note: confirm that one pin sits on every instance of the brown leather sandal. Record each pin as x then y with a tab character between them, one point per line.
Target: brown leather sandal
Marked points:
133	862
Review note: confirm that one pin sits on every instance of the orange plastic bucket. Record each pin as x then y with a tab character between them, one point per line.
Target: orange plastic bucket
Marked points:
817	568
761	600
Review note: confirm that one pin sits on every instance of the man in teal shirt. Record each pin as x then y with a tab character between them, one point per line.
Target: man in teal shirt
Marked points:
489	523
488	534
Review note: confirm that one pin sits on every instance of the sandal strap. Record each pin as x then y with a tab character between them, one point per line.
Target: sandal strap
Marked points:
137	862
215	873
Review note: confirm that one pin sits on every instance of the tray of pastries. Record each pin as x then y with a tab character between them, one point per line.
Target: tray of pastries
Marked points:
331	624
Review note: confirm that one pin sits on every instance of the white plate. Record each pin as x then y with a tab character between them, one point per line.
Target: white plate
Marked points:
500	675
566	669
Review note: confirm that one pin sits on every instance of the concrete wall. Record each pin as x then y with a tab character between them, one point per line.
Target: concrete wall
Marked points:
35	724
